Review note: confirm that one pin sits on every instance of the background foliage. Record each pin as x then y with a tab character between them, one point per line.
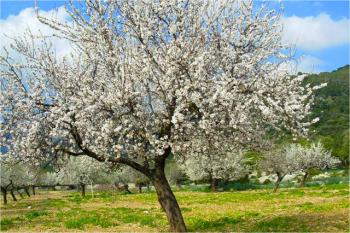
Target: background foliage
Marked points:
332	107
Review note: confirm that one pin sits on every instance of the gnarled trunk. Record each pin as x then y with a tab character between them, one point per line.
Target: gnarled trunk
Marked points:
167	200
126	188
4	195
140	188
20	194
302	183
82	186
214	184
33	190
26	190
277	184
122	187
13	195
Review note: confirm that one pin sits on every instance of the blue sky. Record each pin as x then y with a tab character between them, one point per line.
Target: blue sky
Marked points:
318	29
333	56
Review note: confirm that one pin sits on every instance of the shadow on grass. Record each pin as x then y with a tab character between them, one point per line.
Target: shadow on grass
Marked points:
282	224
310	222
255	222
219	224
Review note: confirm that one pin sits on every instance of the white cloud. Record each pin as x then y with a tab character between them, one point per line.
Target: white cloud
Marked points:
305	64
309	64
315	32
16	25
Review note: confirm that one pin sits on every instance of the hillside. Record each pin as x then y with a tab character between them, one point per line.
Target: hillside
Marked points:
332	107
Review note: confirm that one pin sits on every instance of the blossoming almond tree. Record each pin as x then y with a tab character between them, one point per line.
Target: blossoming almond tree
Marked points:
81	171
8	173
175	174
124	175
49	179
278	162
16	175
306	158
145	77
215	164
296	158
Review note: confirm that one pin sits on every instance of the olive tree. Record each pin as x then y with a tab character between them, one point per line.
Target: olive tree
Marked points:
146	77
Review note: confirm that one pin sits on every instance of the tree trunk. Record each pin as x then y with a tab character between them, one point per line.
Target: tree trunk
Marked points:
82	186
148	188
13	195
4	195
33	190
178	184
214	185
126	188
26	190
277	184
140	188
20	194
302	183
167	200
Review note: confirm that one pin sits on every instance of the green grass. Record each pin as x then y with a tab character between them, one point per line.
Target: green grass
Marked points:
77	218
80	222
316	208
6	224
219	224
280	223
35	214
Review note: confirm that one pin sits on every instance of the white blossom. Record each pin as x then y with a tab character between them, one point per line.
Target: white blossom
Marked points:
147	79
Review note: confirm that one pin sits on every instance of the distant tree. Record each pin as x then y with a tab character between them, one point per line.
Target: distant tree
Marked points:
125	175
120	178
8	172
16	175
140	180
216	163
307	158
277	162
49	179
31	177
81	171
175	174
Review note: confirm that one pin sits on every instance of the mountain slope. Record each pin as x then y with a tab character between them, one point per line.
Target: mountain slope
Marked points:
332	107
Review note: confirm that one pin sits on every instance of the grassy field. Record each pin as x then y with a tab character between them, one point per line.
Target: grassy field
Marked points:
309	209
